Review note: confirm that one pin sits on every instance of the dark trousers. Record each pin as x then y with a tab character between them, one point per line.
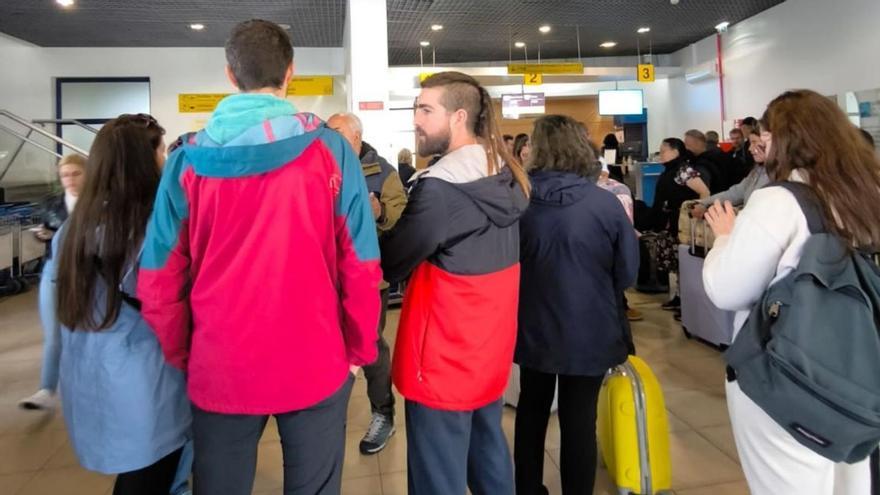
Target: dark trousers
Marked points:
378	374
151	480
312	442
451	451
875	472
578	396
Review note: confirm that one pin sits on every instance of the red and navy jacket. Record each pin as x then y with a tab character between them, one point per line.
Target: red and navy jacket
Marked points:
459	238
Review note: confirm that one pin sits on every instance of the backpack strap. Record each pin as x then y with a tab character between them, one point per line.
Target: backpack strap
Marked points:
809	204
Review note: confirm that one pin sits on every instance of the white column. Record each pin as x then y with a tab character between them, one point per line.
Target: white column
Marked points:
366	70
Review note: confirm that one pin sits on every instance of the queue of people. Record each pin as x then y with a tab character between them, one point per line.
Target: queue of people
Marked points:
246	277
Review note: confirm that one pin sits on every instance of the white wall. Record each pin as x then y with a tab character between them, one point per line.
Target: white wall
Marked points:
829	47
27	86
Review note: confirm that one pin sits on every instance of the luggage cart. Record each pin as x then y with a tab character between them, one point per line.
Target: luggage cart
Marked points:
31	250
9	224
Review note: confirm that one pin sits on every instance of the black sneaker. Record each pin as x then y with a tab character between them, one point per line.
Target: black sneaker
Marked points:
672	305
677	315
381	429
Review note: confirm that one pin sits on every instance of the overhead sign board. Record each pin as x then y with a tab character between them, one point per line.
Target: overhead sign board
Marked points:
564	68
198	102
310	86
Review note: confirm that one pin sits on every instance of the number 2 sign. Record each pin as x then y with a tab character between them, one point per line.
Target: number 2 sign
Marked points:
533	79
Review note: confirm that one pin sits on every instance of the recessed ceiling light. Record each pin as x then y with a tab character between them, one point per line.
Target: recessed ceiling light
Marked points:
722	26
436	27
519	44
64	3
544	29
643	30
284	26
425	43
197	27
609	44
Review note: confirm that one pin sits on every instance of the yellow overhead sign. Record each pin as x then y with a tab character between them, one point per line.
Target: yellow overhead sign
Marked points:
566	68
310	86
533	79
646	72
198	102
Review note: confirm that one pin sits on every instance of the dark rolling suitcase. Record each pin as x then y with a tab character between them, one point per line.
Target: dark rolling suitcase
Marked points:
651	279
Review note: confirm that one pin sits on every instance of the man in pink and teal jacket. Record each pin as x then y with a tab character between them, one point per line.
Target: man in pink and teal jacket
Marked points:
260	276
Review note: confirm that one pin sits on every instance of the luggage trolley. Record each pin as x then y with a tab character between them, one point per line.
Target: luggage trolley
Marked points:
31	250
8	225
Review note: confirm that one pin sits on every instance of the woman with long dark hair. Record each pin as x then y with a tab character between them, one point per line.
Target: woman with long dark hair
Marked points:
578	253
808	140
126	410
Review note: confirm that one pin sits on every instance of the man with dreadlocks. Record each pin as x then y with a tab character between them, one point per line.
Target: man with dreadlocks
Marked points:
459	238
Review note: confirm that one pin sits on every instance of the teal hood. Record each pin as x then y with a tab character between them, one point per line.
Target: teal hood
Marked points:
238	113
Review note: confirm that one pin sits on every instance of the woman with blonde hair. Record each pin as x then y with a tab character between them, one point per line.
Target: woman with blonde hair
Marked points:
71	172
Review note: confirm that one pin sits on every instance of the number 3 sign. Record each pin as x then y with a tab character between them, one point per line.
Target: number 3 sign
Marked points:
646	72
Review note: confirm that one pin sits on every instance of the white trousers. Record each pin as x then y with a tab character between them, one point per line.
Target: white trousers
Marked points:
776	464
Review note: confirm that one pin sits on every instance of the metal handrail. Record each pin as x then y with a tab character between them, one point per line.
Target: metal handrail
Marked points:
66	122
26	138
40	130
3	127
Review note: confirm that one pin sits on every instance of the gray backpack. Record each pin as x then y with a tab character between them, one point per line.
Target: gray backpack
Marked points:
809	353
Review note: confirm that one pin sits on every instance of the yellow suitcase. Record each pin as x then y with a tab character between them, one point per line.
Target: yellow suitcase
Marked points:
633	430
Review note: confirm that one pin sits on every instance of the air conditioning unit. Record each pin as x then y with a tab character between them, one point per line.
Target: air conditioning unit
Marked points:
702	72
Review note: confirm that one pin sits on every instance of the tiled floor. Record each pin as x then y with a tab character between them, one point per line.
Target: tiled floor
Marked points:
36	459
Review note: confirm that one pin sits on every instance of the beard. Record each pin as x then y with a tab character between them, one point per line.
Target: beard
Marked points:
430	145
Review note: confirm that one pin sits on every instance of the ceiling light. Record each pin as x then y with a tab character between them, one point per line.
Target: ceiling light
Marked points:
436	27
64	3
723	26
284	26
425	43
197	27
544	29
643	30
609	44
519	44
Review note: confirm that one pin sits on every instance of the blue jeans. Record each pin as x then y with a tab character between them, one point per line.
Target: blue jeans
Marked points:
51	330
451	451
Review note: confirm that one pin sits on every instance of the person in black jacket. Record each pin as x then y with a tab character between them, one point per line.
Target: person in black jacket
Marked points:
610	142
679	182
578	252
405	166
56	209
715	166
